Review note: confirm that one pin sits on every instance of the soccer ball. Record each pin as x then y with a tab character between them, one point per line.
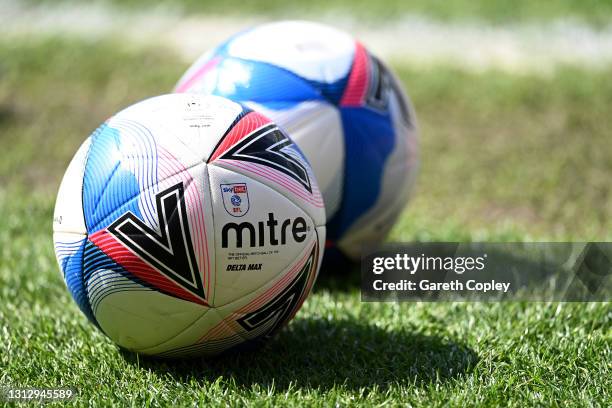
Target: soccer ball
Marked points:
341	105
187	225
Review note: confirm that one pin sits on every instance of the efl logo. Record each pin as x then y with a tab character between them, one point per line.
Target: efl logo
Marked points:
235	198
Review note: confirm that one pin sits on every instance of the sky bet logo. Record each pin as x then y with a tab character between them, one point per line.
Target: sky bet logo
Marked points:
264	231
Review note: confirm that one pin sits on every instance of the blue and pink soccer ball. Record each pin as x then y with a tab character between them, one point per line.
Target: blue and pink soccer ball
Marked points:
344	108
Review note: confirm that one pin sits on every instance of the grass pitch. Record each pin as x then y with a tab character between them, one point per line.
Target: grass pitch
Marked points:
504	158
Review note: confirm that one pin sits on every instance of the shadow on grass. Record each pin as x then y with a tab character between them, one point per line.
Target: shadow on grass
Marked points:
338	273
315	353
342	281
7	114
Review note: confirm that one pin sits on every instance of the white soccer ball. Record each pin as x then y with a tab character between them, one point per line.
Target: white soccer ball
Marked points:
187	225
341	105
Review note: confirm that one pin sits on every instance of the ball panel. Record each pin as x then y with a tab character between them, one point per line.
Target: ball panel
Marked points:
142	319
187	190
163	258
188	126
267	155
258	232
316	127
260	314
112	180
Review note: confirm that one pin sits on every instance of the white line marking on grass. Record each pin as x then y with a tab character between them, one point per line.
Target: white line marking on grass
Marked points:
526	48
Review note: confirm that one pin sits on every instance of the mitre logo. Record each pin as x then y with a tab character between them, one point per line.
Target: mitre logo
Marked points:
269	232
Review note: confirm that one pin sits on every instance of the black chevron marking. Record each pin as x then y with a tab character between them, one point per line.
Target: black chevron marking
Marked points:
170	251
265	146
280	309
